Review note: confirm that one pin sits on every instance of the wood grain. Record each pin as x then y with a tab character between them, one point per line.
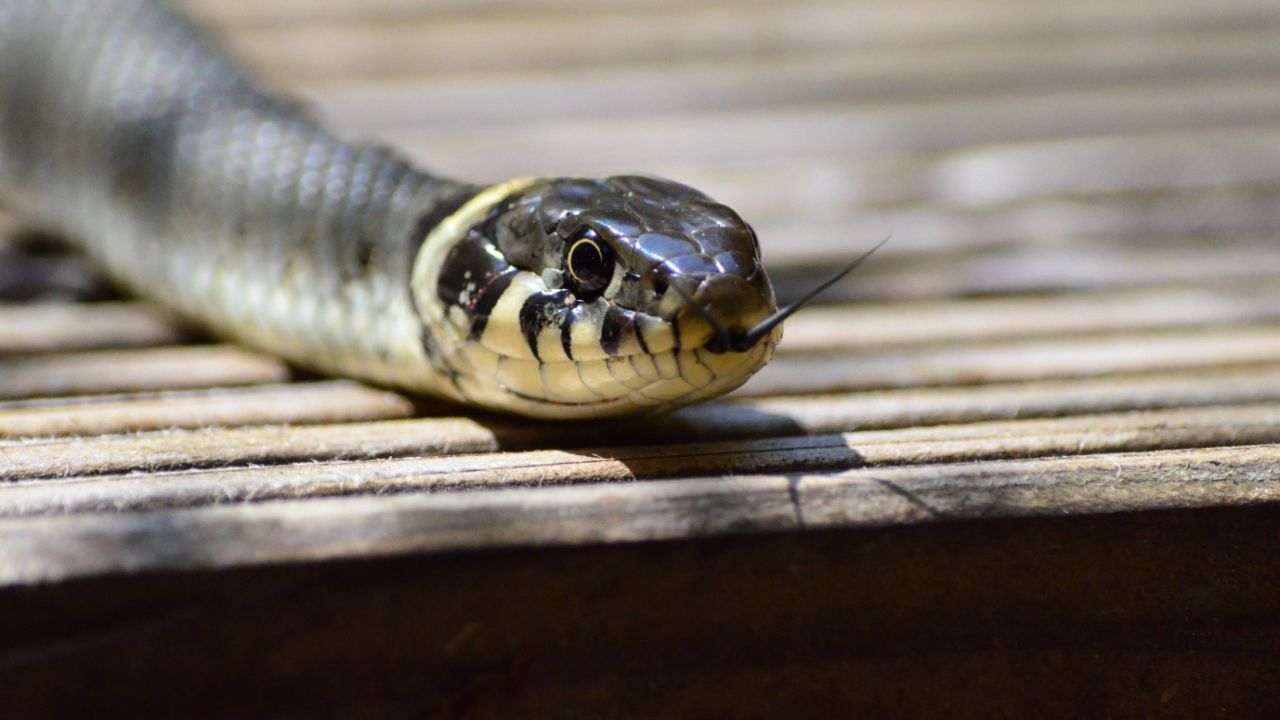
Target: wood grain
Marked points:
53	327
1012	361
58	548
154	368
324	472
844	75
425	43
334	401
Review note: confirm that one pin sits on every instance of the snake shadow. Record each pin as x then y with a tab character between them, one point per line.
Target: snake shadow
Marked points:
710	422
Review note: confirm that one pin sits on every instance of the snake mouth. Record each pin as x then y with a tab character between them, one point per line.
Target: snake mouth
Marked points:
738	342
638	383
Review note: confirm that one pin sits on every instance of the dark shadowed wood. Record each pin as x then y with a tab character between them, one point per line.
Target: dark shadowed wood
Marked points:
1144	614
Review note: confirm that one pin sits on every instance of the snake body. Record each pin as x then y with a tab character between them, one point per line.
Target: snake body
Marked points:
124	127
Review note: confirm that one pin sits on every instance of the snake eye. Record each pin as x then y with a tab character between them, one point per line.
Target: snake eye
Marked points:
589	264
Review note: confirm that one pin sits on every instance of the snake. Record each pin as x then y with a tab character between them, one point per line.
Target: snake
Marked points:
126	128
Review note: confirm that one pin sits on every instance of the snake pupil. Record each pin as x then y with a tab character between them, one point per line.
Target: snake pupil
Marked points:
589	264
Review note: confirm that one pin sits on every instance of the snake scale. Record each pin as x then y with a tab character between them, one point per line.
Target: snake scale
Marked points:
124	127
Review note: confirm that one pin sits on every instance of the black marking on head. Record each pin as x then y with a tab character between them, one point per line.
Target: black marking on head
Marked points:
576	313
660	285
540	311
485	299
471	264
644	346
566	331
612	328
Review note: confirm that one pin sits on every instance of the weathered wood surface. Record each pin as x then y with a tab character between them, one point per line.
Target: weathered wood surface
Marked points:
1030	451
56	548
218	448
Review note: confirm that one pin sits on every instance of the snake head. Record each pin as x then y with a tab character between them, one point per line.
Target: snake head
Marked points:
585	297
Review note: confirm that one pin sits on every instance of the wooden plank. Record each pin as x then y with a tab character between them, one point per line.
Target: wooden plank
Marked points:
1227	164
534	38
877	325
49	327
45	549
318	402
1117	227
1091	166
318	476
779	416
216	448
158	368
1080	266
844	75
1016	360
849	131
233	14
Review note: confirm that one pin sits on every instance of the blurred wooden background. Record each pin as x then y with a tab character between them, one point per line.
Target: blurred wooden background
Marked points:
1023	462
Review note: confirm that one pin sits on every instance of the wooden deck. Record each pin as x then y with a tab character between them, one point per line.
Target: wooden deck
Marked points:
1026	461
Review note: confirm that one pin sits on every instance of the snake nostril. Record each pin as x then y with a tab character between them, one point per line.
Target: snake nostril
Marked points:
660	286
